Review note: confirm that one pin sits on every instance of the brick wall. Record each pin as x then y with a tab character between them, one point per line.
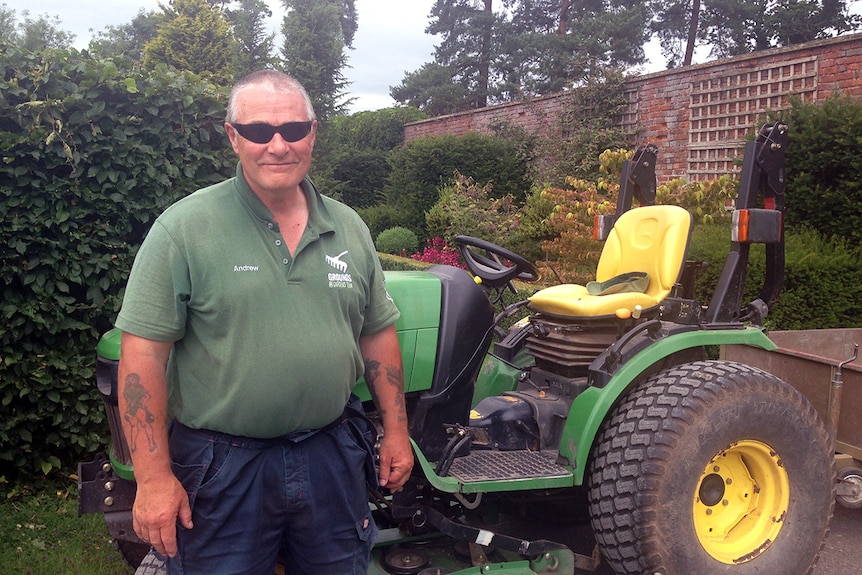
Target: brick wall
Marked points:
698	116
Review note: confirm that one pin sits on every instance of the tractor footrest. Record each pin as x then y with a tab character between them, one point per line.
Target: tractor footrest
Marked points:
489	465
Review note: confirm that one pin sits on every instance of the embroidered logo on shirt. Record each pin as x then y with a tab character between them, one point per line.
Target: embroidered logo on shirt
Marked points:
246	268
336	261
341	279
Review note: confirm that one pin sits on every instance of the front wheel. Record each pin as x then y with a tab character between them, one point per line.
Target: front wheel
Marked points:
712	467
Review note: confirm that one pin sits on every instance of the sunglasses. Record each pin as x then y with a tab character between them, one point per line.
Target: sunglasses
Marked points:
263	133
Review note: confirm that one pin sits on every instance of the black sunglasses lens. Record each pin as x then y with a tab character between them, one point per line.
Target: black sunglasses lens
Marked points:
294	131
263	133
257	133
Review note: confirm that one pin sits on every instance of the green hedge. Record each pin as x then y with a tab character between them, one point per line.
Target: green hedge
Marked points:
351	153
393	263
424	165
821	277
90	155
824	166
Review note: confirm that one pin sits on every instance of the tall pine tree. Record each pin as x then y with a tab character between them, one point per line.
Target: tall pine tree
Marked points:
733	27
254	46
316	35
523	48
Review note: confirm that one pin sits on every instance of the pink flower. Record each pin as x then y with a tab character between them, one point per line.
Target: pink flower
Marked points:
438	251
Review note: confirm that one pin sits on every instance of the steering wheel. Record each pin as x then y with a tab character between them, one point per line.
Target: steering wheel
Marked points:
489	265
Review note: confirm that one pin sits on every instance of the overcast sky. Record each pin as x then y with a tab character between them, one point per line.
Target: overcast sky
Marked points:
390	41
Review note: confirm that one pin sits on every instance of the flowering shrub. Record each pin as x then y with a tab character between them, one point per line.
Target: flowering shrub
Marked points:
438	251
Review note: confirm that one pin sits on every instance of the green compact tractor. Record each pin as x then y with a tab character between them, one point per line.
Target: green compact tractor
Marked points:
600	402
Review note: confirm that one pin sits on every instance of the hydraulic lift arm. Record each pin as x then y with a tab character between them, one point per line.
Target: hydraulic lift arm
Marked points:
763	178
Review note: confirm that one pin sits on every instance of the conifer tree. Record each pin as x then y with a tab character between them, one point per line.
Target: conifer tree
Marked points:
196	37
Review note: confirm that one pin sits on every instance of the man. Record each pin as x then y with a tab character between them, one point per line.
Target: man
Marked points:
252	308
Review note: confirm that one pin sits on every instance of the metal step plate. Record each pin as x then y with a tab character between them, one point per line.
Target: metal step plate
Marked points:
490	465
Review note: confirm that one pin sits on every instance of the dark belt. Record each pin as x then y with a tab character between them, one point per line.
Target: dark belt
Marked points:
352	409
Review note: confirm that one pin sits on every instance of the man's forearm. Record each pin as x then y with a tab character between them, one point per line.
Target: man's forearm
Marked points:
160	500
384	376
143	404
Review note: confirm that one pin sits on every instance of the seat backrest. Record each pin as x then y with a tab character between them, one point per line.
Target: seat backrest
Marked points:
651	239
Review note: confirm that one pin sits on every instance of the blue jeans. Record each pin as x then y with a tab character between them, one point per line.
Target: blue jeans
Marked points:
252	498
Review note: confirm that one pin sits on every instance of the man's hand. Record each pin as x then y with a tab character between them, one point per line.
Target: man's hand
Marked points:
396	461
160	502
385	379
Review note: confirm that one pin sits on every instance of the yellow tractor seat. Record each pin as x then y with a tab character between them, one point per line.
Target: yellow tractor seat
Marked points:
648	239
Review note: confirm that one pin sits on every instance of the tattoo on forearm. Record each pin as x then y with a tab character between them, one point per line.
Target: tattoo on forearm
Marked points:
138	414
395	377
372	371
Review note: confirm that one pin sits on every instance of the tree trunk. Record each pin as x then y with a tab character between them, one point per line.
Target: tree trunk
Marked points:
485	58
692	32
563	26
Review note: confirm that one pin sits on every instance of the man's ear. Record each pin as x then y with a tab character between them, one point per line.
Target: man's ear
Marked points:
232	136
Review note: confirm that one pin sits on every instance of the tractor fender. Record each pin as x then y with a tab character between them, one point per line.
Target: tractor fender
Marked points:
591	407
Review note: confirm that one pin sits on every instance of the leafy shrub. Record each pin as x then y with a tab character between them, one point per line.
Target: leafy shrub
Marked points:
422	166
572	253
356	177
465	208
380	130
381	217
91	154
533	230
706	201
351	153
824	166
821	277
397	241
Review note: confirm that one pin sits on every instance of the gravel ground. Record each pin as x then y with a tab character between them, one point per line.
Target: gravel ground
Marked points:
842	554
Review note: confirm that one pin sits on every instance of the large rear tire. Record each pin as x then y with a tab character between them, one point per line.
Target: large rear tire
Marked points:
712	467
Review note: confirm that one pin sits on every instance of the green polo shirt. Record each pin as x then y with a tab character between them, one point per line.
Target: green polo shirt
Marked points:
265	343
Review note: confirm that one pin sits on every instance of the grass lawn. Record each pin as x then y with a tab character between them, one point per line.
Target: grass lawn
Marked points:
42	534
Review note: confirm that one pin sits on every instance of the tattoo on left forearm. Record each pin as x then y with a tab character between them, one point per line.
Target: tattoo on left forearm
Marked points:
372	371
395	378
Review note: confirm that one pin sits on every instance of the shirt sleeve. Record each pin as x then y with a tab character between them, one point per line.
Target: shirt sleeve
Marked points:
381	311
157	293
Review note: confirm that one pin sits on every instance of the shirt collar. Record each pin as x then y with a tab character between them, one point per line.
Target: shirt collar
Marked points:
319	218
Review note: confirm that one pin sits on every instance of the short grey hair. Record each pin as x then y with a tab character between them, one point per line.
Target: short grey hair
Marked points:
276	81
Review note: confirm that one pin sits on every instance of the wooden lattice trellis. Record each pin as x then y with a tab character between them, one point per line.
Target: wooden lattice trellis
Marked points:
723	110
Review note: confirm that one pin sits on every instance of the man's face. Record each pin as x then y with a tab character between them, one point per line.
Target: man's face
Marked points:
276	167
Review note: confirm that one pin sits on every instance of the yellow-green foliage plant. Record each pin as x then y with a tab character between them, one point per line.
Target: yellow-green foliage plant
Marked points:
709	201
572	255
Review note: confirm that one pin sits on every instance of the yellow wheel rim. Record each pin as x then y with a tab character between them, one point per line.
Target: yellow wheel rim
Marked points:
740	502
